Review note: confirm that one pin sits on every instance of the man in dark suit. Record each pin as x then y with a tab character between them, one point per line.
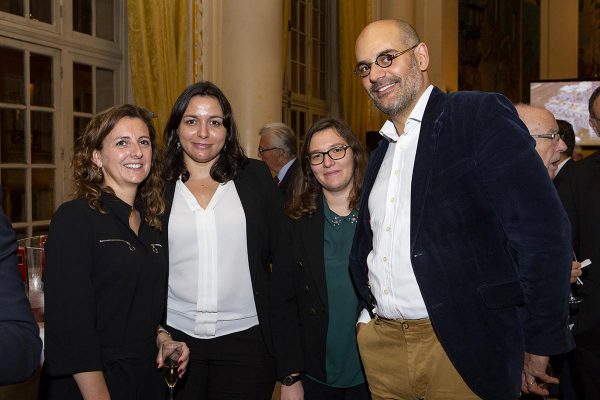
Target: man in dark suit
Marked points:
277	148
567	135
581	197
462	249
20	344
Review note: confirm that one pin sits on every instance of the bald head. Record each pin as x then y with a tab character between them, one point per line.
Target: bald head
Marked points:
537	119
395	63
400	30
540	121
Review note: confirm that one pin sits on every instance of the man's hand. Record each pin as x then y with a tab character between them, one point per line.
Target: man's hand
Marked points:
294	392
575	271
534	374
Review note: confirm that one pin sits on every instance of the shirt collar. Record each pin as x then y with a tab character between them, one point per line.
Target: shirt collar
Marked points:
284	169
388	130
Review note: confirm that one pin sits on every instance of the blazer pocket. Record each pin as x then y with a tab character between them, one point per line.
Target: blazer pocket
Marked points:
502	295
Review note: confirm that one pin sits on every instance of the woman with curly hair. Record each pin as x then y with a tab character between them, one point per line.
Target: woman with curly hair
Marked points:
313	299
222	216
105	278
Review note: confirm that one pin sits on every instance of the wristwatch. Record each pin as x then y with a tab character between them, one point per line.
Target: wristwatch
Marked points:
290	379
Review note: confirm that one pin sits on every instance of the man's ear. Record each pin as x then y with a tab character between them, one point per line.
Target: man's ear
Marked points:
422	56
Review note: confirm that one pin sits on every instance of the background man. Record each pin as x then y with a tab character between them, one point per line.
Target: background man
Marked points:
20	344
543	128
581	197
461	252
277	148
565	162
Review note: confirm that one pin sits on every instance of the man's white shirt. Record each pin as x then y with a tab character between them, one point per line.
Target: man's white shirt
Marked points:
391	277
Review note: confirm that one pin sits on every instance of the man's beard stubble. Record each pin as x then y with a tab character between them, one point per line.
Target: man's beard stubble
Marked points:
405	94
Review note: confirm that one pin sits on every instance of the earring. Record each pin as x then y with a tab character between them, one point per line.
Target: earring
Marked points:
178	146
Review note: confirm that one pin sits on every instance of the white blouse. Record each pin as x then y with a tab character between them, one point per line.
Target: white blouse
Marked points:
210	291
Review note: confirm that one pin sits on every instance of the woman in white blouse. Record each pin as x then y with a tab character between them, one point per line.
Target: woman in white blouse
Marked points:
223	214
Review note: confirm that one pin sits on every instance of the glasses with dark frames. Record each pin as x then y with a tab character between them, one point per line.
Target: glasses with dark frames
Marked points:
335	153
384	60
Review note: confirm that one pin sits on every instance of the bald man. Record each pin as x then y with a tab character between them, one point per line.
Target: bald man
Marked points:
543	128
461	255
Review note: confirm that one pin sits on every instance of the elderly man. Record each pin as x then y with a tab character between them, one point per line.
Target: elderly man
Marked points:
462	249
277	148
581	197
543	128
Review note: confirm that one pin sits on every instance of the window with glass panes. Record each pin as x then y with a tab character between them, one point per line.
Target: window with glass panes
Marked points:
307	78
62	62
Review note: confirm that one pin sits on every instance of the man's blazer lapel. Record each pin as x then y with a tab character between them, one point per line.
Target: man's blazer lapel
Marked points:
424	159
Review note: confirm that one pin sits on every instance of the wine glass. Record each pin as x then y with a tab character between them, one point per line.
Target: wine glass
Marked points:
545	385
171	351
572	298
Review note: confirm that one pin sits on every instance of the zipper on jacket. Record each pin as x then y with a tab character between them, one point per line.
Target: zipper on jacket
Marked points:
131	247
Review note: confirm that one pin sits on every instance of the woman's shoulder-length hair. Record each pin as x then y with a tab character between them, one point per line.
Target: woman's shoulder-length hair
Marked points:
232	157
306	190
88	177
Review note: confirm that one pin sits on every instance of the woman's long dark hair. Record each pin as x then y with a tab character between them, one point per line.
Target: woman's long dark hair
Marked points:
89	179
306	189
232	156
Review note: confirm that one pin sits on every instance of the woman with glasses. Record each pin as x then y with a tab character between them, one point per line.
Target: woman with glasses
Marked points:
314	302
223	214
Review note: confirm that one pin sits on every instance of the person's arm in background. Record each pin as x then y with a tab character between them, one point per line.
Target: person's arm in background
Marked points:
20	343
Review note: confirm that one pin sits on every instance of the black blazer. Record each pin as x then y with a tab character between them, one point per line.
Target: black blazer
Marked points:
299	297
581	197
563	174
287	183
262	206
489	240
20	343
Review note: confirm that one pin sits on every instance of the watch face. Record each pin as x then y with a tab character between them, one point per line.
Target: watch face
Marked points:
288	380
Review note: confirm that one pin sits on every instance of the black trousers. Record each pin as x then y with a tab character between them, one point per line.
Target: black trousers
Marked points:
232	367
585	367
314	390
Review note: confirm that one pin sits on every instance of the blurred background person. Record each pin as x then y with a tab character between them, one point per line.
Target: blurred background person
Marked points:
222	218
20	343
581	197
106	273
277	148
314	302
565	162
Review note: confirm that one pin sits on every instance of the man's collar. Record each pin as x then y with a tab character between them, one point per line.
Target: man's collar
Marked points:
388	130
560	165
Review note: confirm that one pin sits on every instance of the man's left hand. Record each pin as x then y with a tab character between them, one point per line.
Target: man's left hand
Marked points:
534	373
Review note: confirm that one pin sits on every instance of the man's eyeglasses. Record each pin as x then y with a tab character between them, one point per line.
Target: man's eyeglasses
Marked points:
335	153
261	150
384	60
555	137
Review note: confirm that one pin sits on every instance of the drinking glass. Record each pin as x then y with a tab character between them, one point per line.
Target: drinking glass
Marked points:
572	298
34	260
171	351
545	385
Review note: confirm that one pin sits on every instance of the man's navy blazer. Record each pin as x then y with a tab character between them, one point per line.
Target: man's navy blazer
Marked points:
489	240
20	343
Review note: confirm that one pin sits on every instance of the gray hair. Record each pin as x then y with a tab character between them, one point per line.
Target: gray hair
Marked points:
283	137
